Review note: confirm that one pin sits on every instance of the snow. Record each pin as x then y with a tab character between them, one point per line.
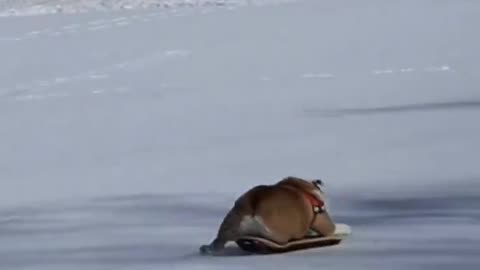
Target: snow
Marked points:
44	7
127	134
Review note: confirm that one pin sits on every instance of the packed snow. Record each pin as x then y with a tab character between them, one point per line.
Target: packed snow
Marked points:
43	7
127	134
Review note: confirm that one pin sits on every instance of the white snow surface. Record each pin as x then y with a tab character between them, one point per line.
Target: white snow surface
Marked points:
126	135
42	7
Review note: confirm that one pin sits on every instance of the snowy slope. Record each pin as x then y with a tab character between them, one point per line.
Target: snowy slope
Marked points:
42	7
125	136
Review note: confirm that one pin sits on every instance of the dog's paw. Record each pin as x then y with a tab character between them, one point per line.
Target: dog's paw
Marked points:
206	250
210	250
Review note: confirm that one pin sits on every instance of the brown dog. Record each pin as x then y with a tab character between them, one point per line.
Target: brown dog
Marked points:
285	211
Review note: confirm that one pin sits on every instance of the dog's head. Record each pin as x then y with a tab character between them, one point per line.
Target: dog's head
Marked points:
318	183
320	190
315	187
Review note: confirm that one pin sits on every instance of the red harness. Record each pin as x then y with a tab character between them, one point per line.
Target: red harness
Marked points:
317	205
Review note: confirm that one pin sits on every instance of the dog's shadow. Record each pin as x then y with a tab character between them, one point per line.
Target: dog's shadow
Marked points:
230	250
234	251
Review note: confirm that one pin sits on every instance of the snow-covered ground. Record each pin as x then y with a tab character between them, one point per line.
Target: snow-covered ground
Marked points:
126	135
42	7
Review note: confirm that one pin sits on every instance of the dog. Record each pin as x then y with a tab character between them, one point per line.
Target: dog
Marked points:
288	210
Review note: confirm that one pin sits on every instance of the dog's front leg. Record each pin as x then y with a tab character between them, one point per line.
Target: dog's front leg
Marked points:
324	224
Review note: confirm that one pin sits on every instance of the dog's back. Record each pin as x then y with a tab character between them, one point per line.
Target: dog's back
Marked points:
278	212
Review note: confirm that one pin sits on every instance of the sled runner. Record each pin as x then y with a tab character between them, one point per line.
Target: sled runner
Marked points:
261	245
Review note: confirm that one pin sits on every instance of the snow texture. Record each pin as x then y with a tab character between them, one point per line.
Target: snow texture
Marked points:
126	135
42	7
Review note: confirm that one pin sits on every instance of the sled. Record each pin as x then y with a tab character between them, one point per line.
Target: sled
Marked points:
259	245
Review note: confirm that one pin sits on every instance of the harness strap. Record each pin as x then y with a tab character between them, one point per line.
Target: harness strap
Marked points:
318	206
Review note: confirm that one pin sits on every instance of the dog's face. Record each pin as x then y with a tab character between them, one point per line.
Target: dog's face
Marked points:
320	189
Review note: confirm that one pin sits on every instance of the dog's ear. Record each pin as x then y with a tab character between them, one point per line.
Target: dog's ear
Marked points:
318	183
